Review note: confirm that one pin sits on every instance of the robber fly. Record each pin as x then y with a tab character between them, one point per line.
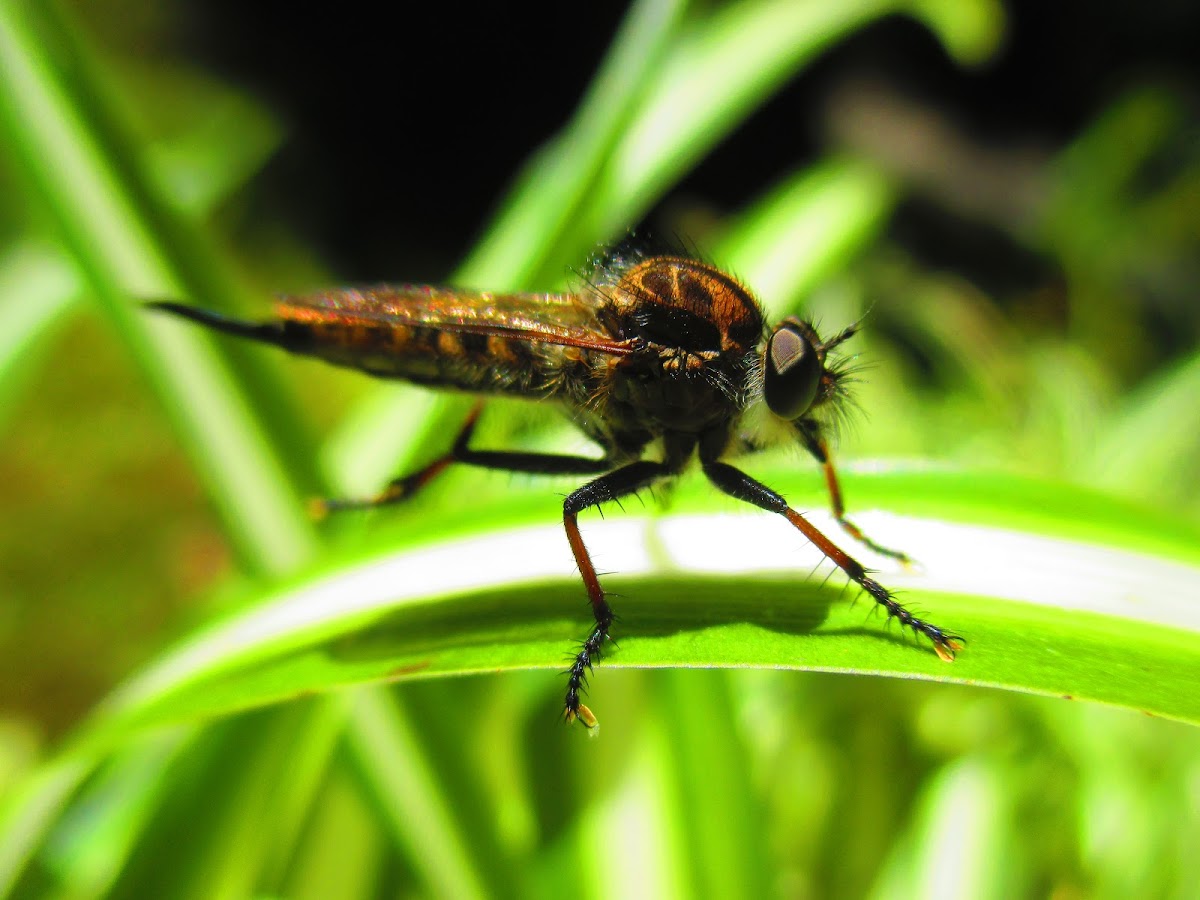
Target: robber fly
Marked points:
661	350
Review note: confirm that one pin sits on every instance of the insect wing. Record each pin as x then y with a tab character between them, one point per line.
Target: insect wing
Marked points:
565	319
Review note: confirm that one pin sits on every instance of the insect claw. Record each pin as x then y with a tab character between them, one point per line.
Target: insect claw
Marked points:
949	645
585	717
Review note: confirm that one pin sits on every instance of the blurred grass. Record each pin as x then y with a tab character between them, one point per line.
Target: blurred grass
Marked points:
704	783
123	237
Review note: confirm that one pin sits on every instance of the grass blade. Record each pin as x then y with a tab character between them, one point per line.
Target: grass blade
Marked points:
1084	608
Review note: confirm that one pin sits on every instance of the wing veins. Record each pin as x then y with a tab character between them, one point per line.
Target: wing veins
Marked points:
455	312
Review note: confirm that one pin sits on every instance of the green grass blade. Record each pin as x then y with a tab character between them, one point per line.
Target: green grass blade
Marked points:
724	68
727	855
392	758
636	825
1057	591
223	793
1152	444
38	289
970	32
719	71
93	842
806	230
308	767
125	241
345	853
30	810
962	830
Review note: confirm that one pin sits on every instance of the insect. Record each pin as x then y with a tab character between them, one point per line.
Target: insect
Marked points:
662	351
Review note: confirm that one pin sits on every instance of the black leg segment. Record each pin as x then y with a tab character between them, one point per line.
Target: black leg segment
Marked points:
407	486
620	483
738	484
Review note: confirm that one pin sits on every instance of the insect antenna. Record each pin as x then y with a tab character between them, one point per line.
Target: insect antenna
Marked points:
846	333
842	336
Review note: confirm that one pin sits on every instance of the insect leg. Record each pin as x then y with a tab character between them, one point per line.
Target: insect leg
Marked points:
626	480
815	444
533	463
741	486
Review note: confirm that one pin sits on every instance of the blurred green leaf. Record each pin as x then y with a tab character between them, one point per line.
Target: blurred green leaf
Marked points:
959	842
805	230
1152	446
413	799
37	291
728	855
93	842
125	241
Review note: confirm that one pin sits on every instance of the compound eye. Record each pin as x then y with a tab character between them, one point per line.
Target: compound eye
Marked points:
793	373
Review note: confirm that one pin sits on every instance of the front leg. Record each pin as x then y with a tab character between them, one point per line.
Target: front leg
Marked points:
741	486
620	483
814	442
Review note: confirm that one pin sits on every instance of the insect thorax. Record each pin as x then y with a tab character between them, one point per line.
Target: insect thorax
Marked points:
697	330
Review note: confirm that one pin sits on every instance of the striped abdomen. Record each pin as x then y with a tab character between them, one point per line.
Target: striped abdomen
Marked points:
431	355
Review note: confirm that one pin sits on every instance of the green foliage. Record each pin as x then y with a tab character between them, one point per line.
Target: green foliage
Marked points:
265	753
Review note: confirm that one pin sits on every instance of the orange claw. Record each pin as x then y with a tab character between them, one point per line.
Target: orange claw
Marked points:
947	650
585	716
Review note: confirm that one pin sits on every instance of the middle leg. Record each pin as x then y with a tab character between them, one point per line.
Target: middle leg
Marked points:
815	443
619	483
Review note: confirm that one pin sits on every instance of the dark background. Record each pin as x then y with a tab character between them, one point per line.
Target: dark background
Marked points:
401	130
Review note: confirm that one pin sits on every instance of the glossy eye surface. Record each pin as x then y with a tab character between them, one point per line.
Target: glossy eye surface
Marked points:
792	372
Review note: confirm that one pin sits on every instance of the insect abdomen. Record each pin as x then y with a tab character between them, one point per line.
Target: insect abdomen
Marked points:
434	356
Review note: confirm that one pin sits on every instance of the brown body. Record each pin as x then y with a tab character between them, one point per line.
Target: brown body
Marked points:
662	349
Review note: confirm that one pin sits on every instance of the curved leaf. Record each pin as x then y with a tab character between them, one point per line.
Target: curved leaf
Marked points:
1100	608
